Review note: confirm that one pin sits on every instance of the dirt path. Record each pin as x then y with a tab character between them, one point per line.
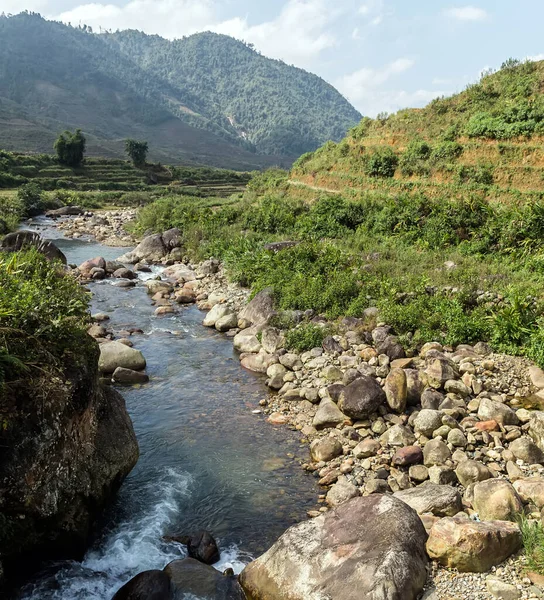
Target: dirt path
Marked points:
313	187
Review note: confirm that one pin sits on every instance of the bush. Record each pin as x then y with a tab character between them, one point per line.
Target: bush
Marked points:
481	174
31	198
446	151
382	162
305	337
414	159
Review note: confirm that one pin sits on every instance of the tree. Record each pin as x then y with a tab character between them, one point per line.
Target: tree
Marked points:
137	151
70	148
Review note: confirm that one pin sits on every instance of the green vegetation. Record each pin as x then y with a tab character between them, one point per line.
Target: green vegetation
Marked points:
205	99
533	542
305	337
137	152
44	317
70	148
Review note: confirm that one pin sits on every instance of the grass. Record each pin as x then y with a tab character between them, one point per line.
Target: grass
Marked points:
532	534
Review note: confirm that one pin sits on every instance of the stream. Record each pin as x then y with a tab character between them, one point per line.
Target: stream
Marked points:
206	461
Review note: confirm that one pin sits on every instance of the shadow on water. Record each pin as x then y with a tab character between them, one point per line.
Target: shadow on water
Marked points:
206	461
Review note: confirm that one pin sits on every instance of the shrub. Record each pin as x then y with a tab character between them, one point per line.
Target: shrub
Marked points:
305	337
481	174
446	151
414	159
31	199
382	162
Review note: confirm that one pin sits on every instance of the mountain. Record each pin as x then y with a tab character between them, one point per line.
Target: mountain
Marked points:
203	99
485	142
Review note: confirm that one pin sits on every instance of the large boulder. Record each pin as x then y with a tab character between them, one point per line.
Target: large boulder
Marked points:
259	310
496	411
396	390
201	546
471	546
172	238
361	398
193	579
150	249
149	585
64	211
21	240
67	447
115	354
373	547
328	415
531	489
496	500
536	428
440	500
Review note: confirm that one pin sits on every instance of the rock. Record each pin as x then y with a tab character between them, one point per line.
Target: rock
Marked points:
179	272
124	273
325	449
531	489
331	346
86	267
227	322
291	361
115	354
391	348
341	492
457	438
493	410
258	363
496	500
452	386
396	390
440	500
201	546
527	451
500	589
438	372
64	211
536	374
435	452
260	309
374	545
151	249
361	398
97	331
216	313
428	421
19	240
536	428
415	386
418	473
154	286
471	546
409	455
246	341
442	475
164	310
328	415
398	435
210	266
193	579
149	585
332	373
366	448
121	375
272	339
431	399
472	471
171	238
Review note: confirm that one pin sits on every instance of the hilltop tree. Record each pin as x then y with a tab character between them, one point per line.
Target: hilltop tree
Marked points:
70	148
137	151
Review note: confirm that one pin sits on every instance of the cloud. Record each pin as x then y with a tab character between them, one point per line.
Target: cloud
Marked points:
14	6
375	11
364	89
466	13
535	57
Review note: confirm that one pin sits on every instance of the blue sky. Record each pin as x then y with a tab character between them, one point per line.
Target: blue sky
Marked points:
383	55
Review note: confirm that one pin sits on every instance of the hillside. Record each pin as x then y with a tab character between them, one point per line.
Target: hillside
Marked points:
486	141
207	99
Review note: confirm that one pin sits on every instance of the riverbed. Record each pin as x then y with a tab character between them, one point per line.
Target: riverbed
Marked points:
207	461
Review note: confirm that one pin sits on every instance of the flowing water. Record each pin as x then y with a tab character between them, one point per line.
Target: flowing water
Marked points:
207	462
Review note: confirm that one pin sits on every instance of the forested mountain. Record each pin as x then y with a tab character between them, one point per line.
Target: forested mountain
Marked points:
203	99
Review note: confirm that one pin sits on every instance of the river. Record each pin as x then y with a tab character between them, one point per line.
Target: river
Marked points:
207	461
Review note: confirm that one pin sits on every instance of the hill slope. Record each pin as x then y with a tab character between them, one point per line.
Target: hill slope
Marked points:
132	85
486	141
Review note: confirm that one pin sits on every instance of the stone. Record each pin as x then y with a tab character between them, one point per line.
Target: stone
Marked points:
418	473
192	579
457	438
396	390
151	249
496	500
331	346
431	399
342	491
217	312
409	455
526	450
209	267
19	240
272	339
536	374
471	546
128	376
442	475
536	428
361	398
531	489
155	286
374	545
226	322
124	273
291	361
435	452
148	585
172	238
472	471
246	340
440	500
325	449
258	363
97	331
366	448
497	411
115	354
332	373
391	348
260	309
376	486
428	421
164	310
502	590
415	385
438	372
328	415
398	435
453	386
200	545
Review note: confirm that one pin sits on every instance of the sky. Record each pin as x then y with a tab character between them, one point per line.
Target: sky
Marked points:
383	55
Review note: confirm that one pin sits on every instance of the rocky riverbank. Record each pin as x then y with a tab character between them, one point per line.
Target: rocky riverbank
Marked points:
457	434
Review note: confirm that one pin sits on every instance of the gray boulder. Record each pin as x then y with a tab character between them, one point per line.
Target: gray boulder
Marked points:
361	398
373	546
260	309
115	354
21	240
440	500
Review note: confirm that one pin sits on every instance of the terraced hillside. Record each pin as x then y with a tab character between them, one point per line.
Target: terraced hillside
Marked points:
101	174
487	141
